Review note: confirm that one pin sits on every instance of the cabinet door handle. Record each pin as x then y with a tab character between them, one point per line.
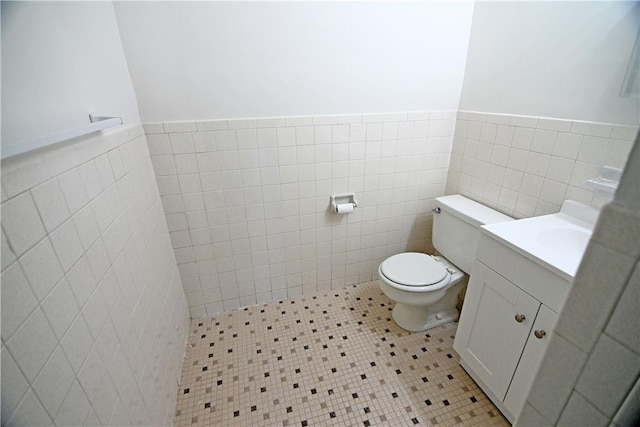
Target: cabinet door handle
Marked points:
540	334
520	318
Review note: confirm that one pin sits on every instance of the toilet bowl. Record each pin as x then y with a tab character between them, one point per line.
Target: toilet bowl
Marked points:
425	287
420	285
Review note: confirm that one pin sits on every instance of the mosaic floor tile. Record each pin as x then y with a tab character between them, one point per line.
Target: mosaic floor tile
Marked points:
334	359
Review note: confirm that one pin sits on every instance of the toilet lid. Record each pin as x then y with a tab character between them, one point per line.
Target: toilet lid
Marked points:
413	269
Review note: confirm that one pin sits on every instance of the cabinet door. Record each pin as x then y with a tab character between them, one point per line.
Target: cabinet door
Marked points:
534	351
490	339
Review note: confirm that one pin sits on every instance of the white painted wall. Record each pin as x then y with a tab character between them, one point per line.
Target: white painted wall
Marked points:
205	60
61	61
552	59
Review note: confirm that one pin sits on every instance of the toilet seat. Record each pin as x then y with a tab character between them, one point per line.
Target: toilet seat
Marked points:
414	269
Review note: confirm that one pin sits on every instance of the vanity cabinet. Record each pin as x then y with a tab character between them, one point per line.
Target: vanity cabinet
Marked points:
505	325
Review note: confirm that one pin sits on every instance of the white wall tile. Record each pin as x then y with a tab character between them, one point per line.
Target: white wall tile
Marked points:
588	306
286	136
42	268
607	377
357	132
21	174
181	143
559	371
61	308
522	121
543	141
618	325
202	142
74	408
18	300
67	244
91	177
82	280
164	165
105	400
32	344
92	373
7	254
267	138
186	126
107	190
21	223
580	412
185	163
159	144
208	125
30	413
592	129
86	226
73	190
14	385
594	150
54	381
323	134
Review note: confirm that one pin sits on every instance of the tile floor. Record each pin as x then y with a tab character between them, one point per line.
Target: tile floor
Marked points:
331	359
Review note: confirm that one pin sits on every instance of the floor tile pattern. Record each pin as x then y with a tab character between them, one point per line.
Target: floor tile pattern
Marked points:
331	359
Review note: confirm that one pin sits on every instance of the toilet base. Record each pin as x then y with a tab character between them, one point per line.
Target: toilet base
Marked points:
417	318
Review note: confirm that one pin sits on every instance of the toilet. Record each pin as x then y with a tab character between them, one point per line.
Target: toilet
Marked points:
425	287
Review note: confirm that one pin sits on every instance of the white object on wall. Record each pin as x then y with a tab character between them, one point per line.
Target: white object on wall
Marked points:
97	123
606	184
343	203
208	60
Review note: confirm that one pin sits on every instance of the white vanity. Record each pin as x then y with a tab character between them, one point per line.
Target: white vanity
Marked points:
519	282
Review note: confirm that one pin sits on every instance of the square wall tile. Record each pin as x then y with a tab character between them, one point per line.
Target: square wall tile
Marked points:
558	372
21	223
619	229
54	381
18	300
30	412
619	327
589	304
608	375
580	412
32	344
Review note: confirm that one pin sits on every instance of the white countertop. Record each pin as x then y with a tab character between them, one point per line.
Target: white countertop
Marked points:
556	241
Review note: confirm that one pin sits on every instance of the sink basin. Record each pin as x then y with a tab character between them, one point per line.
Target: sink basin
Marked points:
564	239
555	241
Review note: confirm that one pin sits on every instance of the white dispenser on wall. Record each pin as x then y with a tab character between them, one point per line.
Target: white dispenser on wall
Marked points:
343	203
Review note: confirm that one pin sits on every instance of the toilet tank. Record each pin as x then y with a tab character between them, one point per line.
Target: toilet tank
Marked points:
456	229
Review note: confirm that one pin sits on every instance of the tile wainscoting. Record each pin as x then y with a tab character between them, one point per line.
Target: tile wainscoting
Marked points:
527	166
94	319
247	200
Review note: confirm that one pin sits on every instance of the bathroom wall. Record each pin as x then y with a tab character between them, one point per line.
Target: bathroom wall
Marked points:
593	361
94	320
60	62
247	201
224	60
563	60
93	317
527	166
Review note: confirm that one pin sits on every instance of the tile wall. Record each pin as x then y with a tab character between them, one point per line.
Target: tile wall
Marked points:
527	166
94	319
593	361
247	201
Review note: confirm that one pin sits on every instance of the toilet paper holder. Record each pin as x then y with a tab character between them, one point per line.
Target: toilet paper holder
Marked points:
343	199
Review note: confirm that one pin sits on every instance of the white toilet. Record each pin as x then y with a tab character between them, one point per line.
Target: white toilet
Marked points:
425	287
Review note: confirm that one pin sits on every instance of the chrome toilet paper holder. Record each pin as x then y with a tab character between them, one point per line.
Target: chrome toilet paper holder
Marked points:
343	199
